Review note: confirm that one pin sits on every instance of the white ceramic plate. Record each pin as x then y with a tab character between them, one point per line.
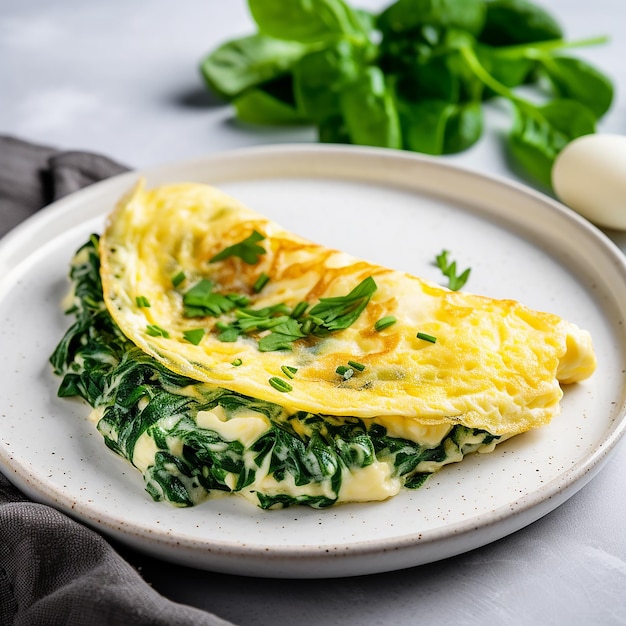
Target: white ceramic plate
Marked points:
394	208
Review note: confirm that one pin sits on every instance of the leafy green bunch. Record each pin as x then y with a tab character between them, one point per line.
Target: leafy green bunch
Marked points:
414	76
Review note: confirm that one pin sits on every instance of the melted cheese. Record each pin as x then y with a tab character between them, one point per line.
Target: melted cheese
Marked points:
247	426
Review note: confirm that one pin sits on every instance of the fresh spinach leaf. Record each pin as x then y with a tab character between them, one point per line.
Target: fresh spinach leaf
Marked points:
424	125
306	20
243	63
404	15
540	133
258	106
509	22
432	79
510	71
577	80
333	129
439	127
320	76
413	76
463	128
369	111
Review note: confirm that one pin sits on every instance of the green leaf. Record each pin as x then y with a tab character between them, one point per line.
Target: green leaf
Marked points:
404	15
340	312
433	79
333	129
367	19
369	111
257	106
580	81
306	20
156	331
247	250
464	127
540	133
201	300
511	71
243	63
319	77
424	125
511	22
281	337
439	127
194	335
448	269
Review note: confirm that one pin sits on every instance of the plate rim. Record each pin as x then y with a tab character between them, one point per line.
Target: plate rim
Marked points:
555	491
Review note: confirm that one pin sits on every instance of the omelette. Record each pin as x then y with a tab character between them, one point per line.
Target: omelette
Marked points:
222	353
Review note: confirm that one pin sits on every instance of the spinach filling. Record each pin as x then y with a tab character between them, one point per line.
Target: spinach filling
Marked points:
136	397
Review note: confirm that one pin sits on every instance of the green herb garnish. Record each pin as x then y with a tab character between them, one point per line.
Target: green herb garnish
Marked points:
279	384
156	331
178	278
356	365
142	302
285	325
340	312
282	336
384	322
344	371
236	362
455	282
299	309
194	336
201	300
427	337
247	250
288	370
260	282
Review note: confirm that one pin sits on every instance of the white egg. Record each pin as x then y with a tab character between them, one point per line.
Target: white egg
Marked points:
589	175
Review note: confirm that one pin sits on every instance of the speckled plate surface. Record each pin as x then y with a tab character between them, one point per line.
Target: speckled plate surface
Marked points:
393	208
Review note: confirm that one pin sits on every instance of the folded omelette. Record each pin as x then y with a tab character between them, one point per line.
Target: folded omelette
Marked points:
222	353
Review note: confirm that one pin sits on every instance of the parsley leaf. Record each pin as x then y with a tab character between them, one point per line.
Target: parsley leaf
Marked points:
247	250
449	270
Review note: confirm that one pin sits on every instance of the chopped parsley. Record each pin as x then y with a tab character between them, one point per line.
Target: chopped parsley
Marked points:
247	250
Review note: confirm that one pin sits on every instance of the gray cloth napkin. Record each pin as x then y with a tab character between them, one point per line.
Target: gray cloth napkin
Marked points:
54	570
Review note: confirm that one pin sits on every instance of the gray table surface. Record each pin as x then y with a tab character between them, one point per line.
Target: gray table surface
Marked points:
120	77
